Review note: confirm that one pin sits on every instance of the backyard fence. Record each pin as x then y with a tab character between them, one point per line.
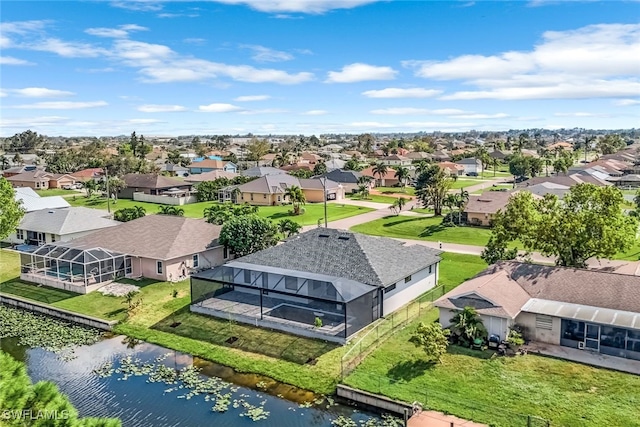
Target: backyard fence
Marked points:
451	402
371	338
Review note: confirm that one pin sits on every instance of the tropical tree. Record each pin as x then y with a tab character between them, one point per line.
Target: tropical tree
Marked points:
129	214
220	213
461	202
296	197
4	162
432	339
320	168
398	204
283	158
466	325
257	148
115	185
90	187
352	165
587	223
289	227
247	234
11	211
450	201
402	174
432	186
380	170
170	210
609	144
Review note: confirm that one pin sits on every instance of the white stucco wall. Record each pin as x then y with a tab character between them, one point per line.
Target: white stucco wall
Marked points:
531	332
404	293
494	325
49	238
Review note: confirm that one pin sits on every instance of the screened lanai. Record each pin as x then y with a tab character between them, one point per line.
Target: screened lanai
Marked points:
56	265
304	303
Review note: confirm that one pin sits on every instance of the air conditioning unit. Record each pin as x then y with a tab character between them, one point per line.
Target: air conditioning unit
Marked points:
580	346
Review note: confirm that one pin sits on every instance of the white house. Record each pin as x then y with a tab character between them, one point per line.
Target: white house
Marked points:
471	166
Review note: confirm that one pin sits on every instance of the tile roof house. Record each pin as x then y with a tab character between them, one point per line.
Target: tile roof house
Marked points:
346	279
32	201
210	176
388	180
208	165
593	310
269	190
87	174
161	247
38	179
452	168
481	209
59	225
258	171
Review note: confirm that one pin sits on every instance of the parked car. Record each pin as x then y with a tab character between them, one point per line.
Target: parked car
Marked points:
69	187
472	174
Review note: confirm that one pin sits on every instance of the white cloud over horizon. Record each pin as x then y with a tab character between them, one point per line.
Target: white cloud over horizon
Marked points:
155	108
62	105
359	72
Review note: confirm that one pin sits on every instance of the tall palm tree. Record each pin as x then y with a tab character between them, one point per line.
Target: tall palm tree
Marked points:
450	201
462	200
402	173
379	169
296	197
283	158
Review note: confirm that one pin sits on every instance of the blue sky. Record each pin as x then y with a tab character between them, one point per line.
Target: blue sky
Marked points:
312	67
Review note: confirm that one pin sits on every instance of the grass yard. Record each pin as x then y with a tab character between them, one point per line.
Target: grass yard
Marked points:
57	192
500	391
388	200
397	190
495	187
466	182
457	268
193	210
428	228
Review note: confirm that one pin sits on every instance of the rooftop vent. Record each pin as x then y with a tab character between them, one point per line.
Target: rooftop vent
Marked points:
343	237
323	235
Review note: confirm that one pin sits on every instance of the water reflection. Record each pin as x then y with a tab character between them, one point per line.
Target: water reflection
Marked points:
139	403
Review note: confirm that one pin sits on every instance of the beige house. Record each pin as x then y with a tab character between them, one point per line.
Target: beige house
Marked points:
269	190
41	180
590	310
481	209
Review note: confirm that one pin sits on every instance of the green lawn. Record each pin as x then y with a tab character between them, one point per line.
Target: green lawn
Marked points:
495	187
57	192
388	200
466	182
193	210
392	190
428	228
457	268
500	391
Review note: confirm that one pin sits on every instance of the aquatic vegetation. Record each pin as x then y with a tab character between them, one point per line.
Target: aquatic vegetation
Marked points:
39	331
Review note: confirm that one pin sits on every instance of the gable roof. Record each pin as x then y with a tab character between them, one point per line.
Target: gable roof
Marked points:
262	171
343	176
32	176
159	237
151	180
66	221
87	173
208	164
376	261
391	173
210	176
513	285
488	202
31	201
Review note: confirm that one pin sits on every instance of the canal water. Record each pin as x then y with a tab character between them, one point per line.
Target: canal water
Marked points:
141	403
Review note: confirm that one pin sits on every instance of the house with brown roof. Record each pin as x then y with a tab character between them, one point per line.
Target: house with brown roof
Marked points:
452	168
269	190
161	247
592	310
395	160
153	184
85	175
387	180
208	165
210	176
41	180
481	209
310	158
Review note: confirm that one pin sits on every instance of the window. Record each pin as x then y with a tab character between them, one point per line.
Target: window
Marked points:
291	283
544	322
251	196
20	234
247	276
53	237
279	198
225	252
38	184
430	269
389	288
264	196
407	279
159	267
196	261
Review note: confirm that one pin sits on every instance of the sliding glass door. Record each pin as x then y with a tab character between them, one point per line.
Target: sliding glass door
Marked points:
592	337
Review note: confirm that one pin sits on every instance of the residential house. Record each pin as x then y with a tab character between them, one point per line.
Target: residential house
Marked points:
41	180
15	170
297	167
323	283
160	247
348	179
441	156
452	169
268	159
59	225
480	209
387	180
416	156
472	166
153	184
626	181
590	310
174	170
334	164
395	160
210	176
31	201
545	188
258	171
560	146
208	165
577	177
85	175
269	190
310	158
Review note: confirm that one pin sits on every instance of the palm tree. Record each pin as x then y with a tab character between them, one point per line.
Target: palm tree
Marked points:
379	169
421	167
283	158
398	204
296	197
139	211
467	325
462	200
402	173
450	201
170	210
91	187
289	227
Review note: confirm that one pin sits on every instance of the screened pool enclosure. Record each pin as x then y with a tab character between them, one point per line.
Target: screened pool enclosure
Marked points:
74	269
309	304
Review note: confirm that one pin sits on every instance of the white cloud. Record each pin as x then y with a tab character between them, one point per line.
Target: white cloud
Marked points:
482	116
177	15
398	111
626	102
23	27
40	92
154	108
359	72
264	111
10	60
581	114
143	121
265	54
219	108
62	105
298	6
315	113
119	33
138	5
372	125
251	98
3	93
67	49
395	92
590	62
454	113
195	40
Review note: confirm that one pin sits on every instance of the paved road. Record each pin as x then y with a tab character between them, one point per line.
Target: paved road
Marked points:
630	267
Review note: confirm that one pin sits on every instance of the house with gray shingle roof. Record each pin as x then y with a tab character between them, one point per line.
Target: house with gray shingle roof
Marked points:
323	283
593	310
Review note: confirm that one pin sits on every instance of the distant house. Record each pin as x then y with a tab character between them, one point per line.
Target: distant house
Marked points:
387	180
395	160
152	184
31	201
481	209
258	171
628	181
590	310
41	180
560	146
452	168
59	225
85	175
348	179
297	167
270	190
310	158
267	159
161	247
174	169
471	166
335	164
210	176
323	283
209	165
418	155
